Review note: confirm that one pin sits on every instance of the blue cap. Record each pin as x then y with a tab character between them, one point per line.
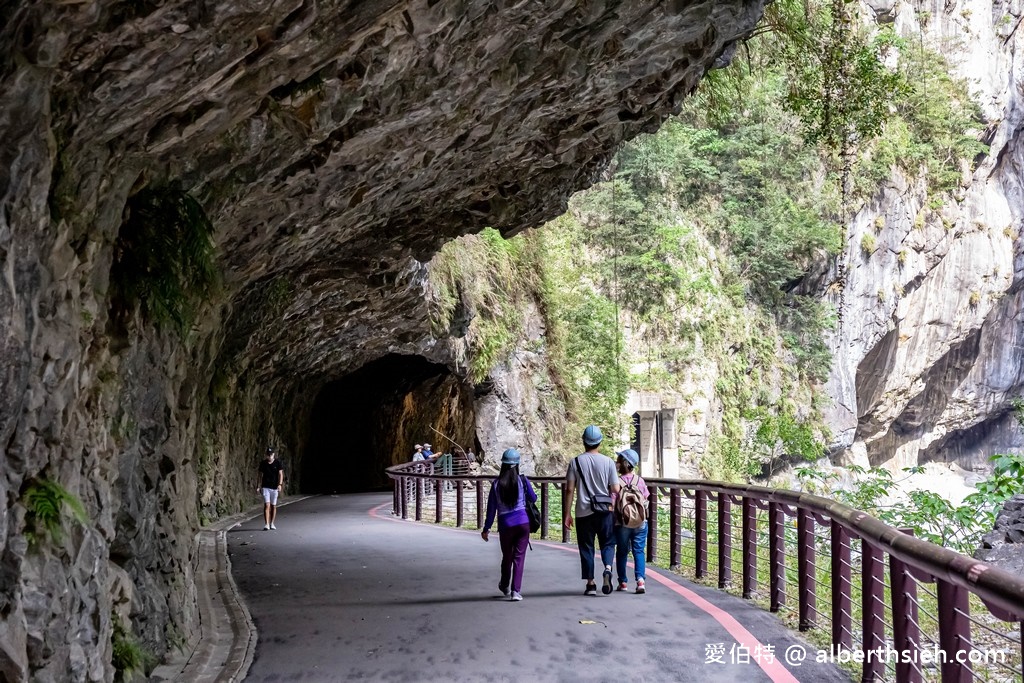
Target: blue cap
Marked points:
510	457
630	456
592	436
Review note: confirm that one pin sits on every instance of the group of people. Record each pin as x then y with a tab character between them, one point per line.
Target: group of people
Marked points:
608	496
422	452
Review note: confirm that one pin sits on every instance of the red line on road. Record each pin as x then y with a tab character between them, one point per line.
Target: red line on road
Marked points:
774	669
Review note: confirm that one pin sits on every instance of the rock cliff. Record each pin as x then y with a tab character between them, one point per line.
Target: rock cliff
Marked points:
926	364
332	146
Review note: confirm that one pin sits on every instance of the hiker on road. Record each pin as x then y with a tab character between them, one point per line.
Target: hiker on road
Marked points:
271	483
510	493
630	520
592	477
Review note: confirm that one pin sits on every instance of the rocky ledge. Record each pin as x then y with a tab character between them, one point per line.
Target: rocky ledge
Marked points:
330	147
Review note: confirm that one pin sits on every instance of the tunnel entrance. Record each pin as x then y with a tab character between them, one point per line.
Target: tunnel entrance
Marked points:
371	419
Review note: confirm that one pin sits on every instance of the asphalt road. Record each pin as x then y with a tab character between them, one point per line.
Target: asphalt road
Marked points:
342	593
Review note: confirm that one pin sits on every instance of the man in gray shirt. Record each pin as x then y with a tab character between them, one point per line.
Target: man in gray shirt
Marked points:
598	477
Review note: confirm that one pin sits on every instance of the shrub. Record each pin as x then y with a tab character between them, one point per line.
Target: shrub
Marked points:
45	502
868	244
130	659
164	258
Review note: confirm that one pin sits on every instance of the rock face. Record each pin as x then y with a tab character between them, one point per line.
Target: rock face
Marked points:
1004	545
333	146
926	366
517	403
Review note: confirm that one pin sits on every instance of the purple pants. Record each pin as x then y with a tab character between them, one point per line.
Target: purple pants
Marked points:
514	540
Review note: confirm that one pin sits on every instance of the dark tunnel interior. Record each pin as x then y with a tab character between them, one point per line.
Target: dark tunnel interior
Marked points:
370	419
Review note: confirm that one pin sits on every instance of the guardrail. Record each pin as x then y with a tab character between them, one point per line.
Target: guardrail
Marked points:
934	615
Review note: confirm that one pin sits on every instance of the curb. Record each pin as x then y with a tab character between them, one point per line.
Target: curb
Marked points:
226	645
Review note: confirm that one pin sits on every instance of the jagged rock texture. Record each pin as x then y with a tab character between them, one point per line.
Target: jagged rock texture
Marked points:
334	146
926	362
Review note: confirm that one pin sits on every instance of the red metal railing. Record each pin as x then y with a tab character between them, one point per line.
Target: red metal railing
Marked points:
934	615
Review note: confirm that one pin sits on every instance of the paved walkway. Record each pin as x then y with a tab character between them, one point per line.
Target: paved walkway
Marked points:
343	592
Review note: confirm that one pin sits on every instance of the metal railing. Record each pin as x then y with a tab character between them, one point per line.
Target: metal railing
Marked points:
914	611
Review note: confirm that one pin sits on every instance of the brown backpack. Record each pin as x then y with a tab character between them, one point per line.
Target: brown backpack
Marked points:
630	505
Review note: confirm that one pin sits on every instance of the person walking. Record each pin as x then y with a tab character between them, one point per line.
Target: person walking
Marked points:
592	478
507	500
271	483
630	509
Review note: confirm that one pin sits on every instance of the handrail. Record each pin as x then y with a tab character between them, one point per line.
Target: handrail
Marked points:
911	560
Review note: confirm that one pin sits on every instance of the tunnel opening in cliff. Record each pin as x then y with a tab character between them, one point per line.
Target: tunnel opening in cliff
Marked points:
371	418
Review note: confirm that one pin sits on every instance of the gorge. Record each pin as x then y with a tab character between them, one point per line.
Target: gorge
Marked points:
220	227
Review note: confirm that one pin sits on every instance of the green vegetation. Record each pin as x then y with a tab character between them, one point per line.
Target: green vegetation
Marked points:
46	502
931	516
164	258
484	282
686	268
130	659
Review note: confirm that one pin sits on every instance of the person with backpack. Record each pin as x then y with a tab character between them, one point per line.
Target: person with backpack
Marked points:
591	477
509	496
630	520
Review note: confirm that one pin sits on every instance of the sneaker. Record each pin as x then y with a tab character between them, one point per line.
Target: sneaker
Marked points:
516	596
622	586
591	589
273	527
607	587
640	587
266	527
504	591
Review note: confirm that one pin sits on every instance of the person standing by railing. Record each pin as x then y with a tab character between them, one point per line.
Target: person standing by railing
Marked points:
593	478
507	499
631	520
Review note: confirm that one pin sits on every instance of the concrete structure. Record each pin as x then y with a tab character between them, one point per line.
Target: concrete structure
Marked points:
654	437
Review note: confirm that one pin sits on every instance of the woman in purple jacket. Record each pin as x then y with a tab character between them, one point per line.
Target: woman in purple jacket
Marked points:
507	500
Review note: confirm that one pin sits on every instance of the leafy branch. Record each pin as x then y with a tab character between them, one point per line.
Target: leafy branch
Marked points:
46	502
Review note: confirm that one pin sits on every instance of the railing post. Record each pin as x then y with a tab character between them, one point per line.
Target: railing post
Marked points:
700	507
565	511
872	624
480	505
954	631
458	504
419	499
396	505
806	579
776	557
405	497
906	634
652	525
724	540
544	510
438	500
842	608
749	547
674	530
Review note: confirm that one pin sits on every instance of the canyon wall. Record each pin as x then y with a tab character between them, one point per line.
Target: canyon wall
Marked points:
926	355
332	146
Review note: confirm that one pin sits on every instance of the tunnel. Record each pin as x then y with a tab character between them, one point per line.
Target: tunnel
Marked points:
371	418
